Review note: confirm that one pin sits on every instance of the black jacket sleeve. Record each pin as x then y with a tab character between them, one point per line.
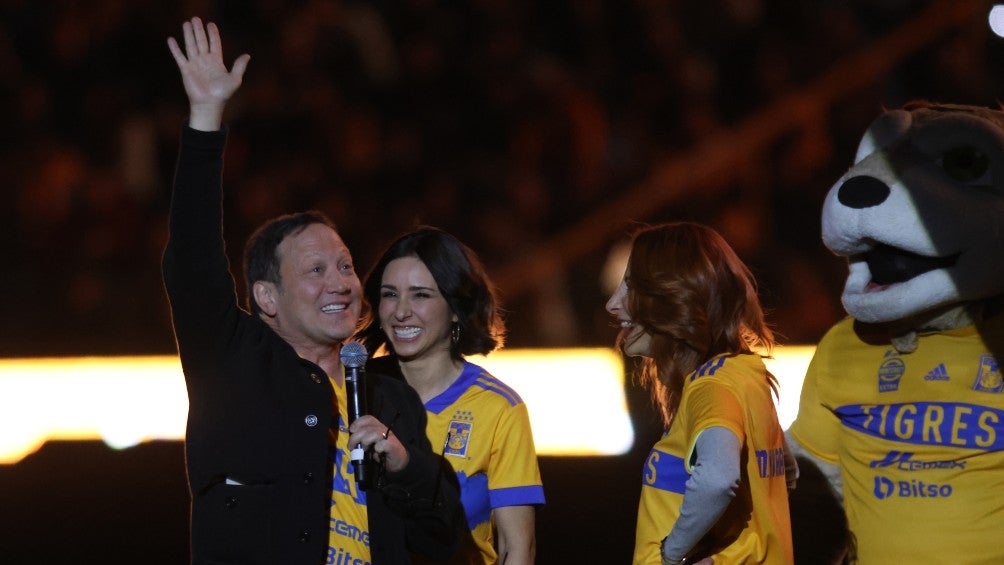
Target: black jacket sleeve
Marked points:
195	266
425	495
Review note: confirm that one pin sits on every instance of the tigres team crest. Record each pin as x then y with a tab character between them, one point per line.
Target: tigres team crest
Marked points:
988	377
457	438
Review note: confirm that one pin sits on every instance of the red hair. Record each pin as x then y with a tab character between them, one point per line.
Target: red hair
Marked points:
689	290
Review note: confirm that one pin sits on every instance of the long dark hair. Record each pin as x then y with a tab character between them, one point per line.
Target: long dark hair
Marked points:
689	290
461	279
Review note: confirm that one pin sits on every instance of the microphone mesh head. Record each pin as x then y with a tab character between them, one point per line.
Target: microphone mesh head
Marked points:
353	354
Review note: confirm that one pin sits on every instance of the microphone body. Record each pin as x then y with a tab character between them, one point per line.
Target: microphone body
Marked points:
353	357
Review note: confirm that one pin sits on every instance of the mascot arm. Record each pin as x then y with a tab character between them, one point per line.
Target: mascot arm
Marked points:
815	432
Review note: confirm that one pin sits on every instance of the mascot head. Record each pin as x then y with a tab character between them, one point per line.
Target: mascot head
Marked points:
920	214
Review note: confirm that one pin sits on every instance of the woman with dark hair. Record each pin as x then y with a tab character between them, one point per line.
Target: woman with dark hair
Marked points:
715	485
432	304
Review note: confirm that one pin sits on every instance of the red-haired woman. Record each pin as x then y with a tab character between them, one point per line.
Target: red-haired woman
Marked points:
714	486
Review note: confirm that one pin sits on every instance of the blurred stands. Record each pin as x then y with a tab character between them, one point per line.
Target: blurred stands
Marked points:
516	125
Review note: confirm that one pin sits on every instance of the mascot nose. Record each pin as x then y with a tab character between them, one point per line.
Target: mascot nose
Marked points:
862	192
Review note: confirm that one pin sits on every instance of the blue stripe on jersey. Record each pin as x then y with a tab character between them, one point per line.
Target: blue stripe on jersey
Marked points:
953	424
486	377
472	375
458	388
474	497
496	386
478	500
516	496
665	472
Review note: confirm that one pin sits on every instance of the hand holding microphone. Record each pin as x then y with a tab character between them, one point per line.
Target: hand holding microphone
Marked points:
353	356
370	439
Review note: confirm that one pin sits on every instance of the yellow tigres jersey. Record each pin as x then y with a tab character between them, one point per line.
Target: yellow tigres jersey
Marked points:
732	392
349	537
919	439
482	428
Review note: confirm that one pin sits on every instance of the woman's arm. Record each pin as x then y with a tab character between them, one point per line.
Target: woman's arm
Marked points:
517	540
711	487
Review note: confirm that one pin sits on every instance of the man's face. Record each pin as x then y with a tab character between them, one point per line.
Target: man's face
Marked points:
318	300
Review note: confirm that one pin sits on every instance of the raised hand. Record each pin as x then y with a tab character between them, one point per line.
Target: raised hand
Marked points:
207	82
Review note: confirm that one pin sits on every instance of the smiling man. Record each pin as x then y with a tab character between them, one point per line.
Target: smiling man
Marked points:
267	433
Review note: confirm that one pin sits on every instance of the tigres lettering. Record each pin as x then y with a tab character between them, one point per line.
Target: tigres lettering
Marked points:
929	423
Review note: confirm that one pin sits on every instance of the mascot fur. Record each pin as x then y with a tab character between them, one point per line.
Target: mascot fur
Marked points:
903	403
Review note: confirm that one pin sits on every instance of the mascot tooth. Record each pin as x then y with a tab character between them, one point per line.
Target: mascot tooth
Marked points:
903	403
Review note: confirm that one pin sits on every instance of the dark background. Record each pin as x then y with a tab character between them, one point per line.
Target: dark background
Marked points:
540	132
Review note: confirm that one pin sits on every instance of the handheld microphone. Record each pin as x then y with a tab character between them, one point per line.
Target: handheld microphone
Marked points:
353	356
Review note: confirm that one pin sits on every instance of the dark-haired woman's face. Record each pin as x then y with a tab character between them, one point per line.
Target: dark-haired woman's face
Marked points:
634	340
413	313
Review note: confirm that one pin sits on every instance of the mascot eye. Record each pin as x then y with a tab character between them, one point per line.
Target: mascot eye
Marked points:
965	164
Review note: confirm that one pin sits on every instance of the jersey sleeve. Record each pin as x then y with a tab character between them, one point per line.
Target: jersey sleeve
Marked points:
513	475
710	403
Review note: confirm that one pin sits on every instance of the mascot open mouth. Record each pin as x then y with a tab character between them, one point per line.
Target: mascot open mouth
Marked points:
889	265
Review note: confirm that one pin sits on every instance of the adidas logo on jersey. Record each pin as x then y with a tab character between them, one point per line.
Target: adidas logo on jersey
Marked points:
938	373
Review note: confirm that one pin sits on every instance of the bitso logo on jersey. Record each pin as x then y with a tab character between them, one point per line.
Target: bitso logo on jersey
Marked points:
886	488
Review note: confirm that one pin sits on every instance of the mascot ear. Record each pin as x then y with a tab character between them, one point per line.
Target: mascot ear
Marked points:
886	129
265	294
